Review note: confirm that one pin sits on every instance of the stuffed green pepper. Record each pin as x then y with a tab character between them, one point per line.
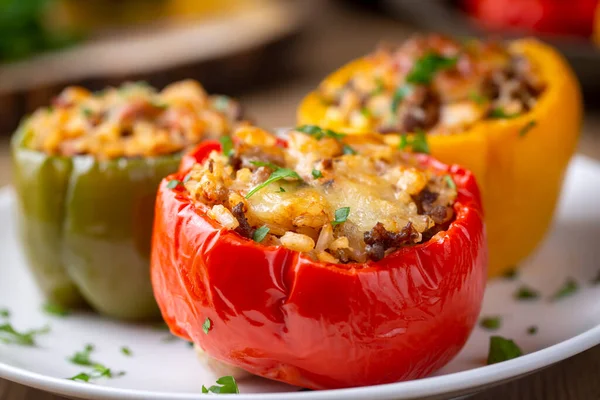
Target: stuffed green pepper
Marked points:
86	171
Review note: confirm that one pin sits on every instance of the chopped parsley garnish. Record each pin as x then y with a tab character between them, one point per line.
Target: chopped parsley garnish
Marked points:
279	174
567	289
55	309
346	149
87	112
281	190
418	142
158	104
477	98
82	376
532	330
365	112
226	145
499	113
9	335
379	87
510	274
502	349
221	103
491	323
4	313
526	293
260	234
316	174
341	215
126	351
98	370
225	385
427	66
450	182
187	177
83	357
319	133
206	325
527	128
173	183
399	95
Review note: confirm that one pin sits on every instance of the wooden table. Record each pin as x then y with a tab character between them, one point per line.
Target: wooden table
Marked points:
335	36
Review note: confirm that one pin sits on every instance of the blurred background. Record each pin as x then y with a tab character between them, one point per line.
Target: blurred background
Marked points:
269	53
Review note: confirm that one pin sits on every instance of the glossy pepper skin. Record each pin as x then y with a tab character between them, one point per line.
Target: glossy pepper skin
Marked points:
281	315
519	163
86	227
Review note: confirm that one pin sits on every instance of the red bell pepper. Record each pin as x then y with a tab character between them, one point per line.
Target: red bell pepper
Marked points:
281	315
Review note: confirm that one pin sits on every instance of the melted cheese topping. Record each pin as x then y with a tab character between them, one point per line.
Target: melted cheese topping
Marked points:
385	192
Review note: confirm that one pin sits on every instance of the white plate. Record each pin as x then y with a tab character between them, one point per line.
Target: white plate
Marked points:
170	370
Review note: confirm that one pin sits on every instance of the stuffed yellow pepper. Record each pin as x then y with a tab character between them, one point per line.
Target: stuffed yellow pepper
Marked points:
511	113
86	171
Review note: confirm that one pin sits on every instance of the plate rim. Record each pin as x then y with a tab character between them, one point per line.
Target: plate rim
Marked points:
430	386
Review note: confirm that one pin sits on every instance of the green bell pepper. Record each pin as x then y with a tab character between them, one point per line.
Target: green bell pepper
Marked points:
86	226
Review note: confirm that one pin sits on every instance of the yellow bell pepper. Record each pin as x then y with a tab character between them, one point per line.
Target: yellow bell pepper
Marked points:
520	173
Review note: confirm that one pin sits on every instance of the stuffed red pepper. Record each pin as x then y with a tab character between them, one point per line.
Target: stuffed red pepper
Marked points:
326	261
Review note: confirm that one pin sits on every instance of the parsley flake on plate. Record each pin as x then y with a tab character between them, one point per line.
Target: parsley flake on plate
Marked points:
126	351
502	349
491	323
98	370
225	385
83	357
526	293
4	313
317	174
9	335
568	288
532	330
55	309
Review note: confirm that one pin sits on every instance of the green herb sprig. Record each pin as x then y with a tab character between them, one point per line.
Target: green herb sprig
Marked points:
225	385
277	175
425	68
206	326
9	335
341	215
260	234
55	310
568	288
226	145
502	349
418	142
491	323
